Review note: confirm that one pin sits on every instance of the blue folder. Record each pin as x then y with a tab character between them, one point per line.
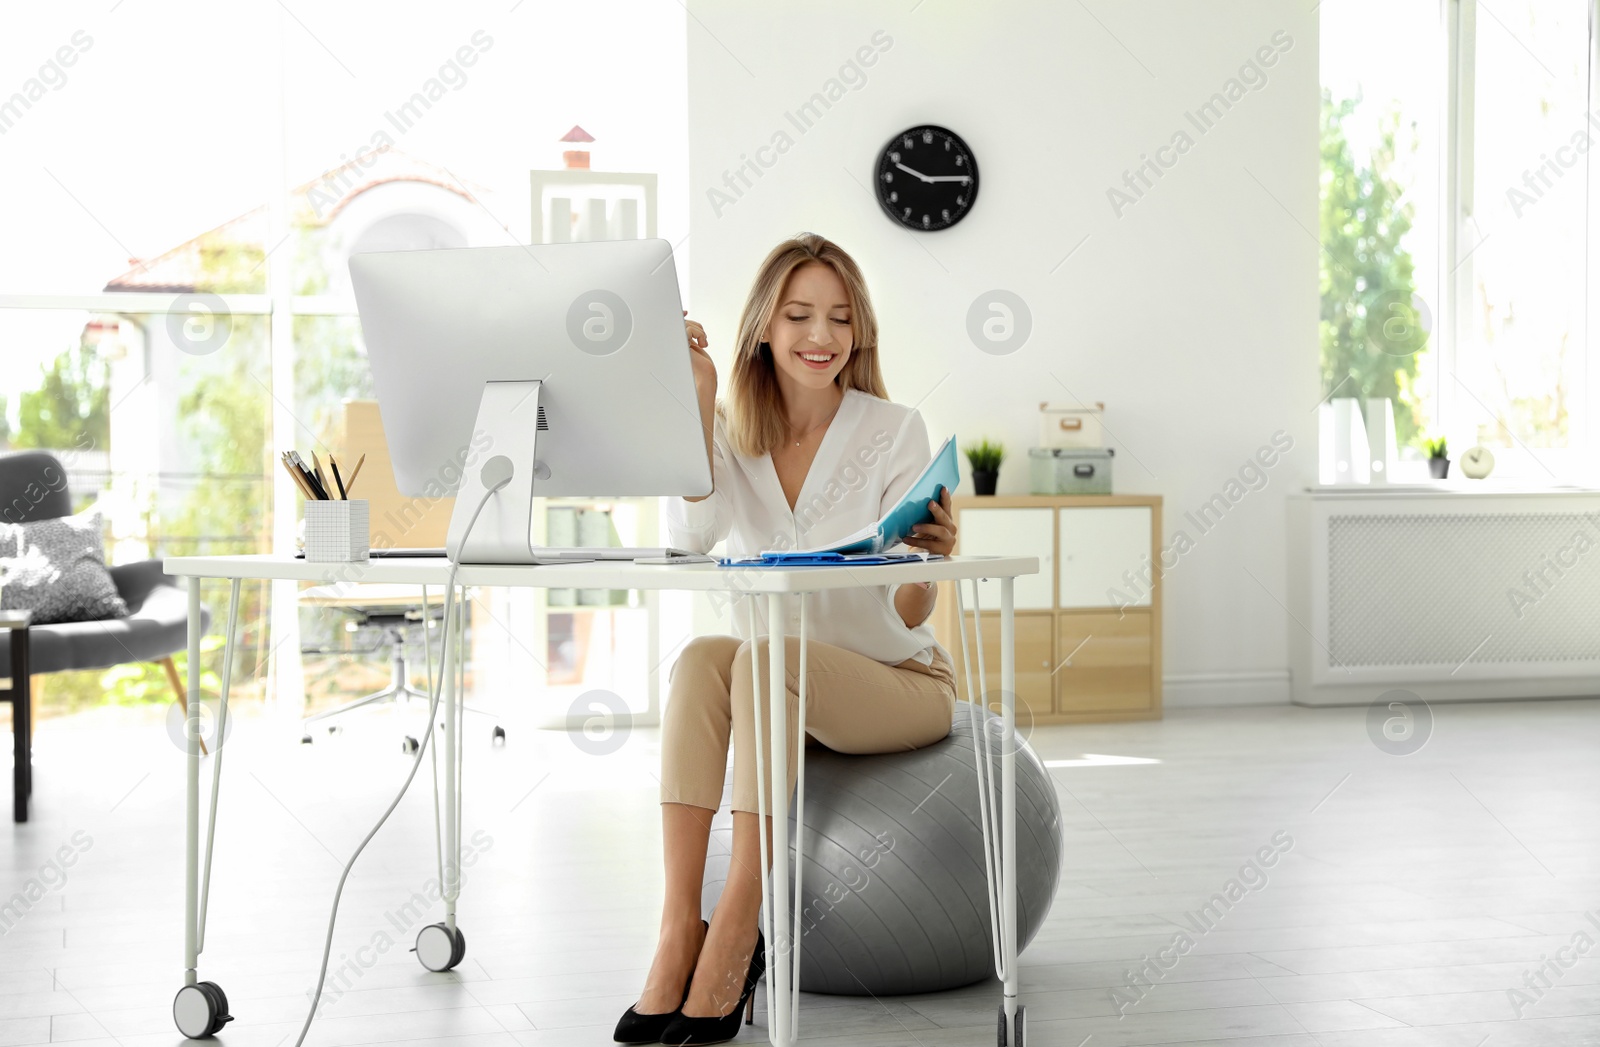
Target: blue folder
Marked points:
818	559
940	472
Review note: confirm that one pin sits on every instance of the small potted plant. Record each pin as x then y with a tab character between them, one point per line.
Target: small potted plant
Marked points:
984	458
1438	463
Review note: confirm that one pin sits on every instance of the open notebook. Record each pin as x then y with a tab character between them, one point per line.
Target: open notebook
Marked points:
941	471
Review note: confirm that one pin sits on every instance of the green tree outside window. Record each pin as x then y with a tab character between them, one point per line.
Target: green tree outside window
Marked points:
1373	324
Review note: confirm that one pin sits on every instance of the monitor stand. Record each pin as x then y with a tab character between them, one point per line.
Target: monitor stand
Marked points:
508	416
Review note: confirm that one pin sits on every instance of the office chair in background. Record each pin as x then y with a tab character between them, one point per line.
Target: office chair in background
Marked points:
396	612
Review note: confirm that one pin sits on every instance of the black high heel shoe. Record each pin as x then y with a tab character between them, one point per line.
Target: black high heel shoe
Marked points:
634	1027
684	1031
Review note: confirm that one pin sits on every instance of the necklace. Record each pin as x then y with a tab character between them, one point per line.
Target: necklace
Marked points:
820	424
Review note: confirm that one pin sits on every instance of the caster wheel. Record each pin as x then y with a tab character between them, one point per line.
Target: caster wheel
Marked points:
436	951
200	1010
498	736
409	746
305	739
335	729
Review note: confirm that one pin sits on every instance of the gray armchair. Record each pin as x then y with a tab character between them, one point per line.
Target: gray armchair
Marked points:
33	486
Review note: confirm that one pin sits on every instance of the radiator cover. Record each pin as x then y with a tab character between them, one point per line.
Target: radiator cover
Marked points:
1446	588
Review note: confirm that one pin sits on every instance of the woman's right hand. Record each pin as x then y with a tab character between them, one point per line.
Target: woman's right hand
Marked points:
705	370
705	387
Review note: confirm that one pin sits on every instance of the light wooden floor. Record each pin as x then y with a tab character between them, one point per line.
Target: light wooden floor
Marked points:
1417	892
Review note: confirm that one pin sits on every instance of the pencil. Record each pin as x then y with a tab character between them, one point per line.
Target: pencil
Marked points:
322	480
353	473
311	478
294	474
333	465
314	483
283	459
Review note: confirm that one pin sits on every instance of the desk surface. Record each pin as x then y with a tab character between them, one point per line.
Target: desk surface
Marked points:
616	574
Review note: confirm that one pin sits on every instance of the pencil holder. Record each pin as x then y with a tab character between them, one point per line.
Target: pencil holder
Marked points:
337	531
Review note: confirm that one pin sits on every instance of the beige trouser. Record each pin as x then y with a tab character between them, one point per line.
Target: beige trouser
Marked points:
854	704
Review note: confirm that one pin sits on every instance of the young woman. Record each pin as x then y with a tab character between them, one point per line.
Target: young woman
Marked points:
805	449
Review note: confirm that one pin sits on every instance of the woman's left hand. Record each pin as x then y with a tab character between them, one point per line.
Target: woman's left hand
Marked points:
939	536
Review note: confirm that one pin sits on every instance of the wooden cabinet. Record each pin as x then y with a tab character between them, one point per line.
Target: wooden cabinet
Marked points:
1088	625
1104	662
1103	551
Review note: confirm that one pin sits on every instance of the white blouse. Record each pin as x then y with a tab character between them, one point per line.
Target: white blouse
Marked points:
870	454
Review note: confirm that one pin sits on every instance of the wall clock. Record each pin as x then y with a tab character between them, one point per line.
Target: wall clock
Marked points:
927	178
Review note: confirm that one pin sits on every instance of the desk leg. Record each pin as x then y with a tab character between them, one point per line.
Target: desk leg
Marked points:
783	980
452	826
200	1008
763	849
218	739
1008	809
780	1020
441	946
799	830
191	733
1002	910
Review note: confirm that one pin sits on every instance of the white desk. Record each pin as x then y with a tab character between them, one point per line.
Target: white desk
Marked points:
777	585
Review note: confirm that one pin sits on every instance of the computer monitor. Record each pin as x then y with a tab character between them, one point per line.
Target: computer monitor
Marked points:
569	359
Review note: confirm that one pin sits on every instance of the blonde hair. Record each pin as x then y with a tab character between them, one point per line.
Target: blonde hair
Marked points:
753	410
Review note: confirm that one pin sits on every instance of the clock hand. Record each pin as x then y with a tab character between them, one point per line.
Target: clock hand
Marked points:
909	171
948	178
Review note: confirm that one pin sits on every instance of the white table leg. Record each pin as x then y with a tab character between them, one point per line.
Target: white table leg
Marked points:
761	809
452	827
1008	801
1001	867
780	1019
191	867
217	741
799	830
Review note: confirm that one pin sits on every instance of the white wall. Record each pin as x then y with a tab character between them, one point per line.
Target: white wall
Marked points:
1192	314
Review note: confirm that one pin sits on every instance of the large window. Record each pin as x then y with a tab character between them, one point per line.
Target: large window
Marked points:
1456	225
1521	353
186	183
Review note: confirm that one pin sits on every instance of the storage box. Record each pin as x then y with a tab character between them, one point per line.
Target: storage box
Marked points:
337	531
1069	470
1071	426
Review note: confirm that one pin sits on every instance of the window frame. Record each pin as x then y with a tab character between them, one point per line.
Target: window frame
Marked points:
1579	461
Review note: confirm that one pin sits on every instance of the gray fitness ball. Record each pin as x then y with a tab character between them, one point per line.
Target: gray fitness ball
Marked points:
894	883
